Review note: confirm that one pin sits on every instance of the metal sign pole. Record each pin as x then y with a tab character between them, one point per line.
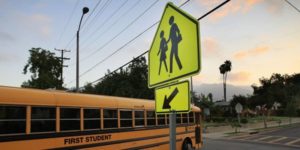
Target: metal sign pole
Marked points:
172	127
239	118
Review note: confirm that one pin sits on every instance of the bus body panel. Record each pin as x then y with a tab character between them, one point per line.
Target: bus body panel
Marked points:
145	137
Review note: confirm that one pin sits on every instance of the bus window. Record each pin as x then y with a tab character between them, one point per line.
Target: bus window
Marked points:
110	118
91	118
126	118
12	119
178	118
168	118
150	118
69	119
191	117
161	119
184	118
197	115
139	118
43	119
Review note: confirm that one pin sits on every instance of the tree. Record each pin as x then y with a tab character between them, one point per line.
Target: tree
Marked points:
224	69
278	88
45	69
210	97
129	82
291	109
243	100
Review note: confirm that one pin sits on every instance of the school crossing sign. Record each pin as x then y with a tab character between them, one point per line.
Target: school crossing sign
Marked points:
175	50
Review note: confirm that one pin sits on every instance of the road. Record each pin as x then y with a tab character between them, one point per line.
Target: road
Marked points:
280	139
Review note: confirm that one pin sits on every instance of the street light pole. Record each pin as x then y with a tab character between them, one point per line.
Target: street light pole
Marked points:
84	11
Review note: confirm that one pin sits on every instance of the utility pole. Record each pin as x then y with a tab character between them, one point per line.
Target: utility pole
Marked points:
62	58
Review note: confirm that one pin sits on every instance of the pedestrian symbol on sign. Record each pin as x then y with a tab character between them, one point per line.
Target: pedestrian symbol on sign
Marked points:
175	37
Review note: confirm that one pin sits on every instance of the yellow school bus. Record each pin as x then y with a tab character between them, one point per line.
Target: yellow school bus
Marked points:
49	119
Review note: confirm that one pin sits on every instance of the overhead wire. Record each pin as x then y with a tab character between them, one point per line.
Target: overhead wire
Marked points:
111	25
203	16
206	14
292	6
124	45
100	12
67	23
120	33
90	14
124	29
105	21
73	38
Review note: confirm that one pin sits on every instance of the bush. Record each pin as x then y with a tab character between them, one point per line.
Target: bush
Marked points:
235	124
280	112
244	120
218	119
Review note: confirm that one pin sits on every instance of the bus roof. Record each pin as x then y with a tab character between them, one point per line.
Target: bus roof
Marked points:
35	97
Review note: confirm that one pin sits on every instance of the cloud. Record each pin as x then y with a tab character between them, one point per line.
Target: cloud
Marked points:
274	7
36	23
198	78
43	23
7	57
231	7
40	5
210	46
252	52
6	37
239	77
209	3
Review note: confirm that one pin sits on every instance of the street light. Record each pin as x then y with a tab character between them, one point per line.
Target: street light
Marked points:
84	11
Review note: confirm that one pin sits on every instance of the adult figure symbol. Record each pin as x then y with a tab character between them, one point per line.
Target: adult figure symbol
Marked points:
175	38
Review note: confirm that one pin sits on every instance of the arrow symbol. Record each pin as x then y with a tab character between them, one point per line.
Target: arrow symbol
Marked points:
168	100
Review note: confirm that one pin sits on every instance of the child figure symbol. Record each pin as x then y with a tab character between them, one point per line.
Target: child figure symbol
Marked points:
162	51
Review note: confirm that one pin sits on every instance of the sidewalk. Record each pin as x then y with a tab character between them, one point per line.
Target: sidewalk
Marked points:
219	132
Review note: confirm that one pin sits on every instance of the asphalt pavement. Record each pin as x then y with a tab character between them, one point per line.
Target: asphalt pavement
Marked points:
287	138
217	144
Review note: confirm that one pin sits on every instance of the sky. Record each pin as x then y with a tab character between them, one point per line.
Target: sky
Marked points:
259	37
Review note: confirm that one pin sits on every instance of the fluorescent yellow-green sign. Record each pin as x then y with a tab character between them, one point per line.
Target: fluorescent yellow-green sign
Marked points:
173	98
175	50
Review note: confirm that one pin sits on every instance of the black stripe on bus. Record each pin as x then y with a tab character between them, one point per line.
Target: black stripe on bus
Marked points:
151	145
79	133
120	141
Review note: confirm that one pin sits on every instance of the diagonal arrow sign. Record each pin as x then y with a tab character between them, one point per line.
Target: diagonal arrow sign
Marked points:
168	100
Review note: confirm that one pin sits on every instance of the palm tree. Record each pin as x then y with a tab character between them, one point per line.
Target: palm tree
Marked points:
224	69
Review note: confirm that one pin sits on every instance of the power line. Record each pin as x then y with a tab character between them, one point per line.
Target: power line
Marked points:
203	16
105	21
119	34
121	67
100	12
116	51
83	24
67	23
73	38
124	45
98	50
111	25
292	6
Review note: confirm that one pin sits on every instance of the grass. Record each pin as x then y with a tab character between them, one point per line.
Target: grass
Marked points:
277	127
250	121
